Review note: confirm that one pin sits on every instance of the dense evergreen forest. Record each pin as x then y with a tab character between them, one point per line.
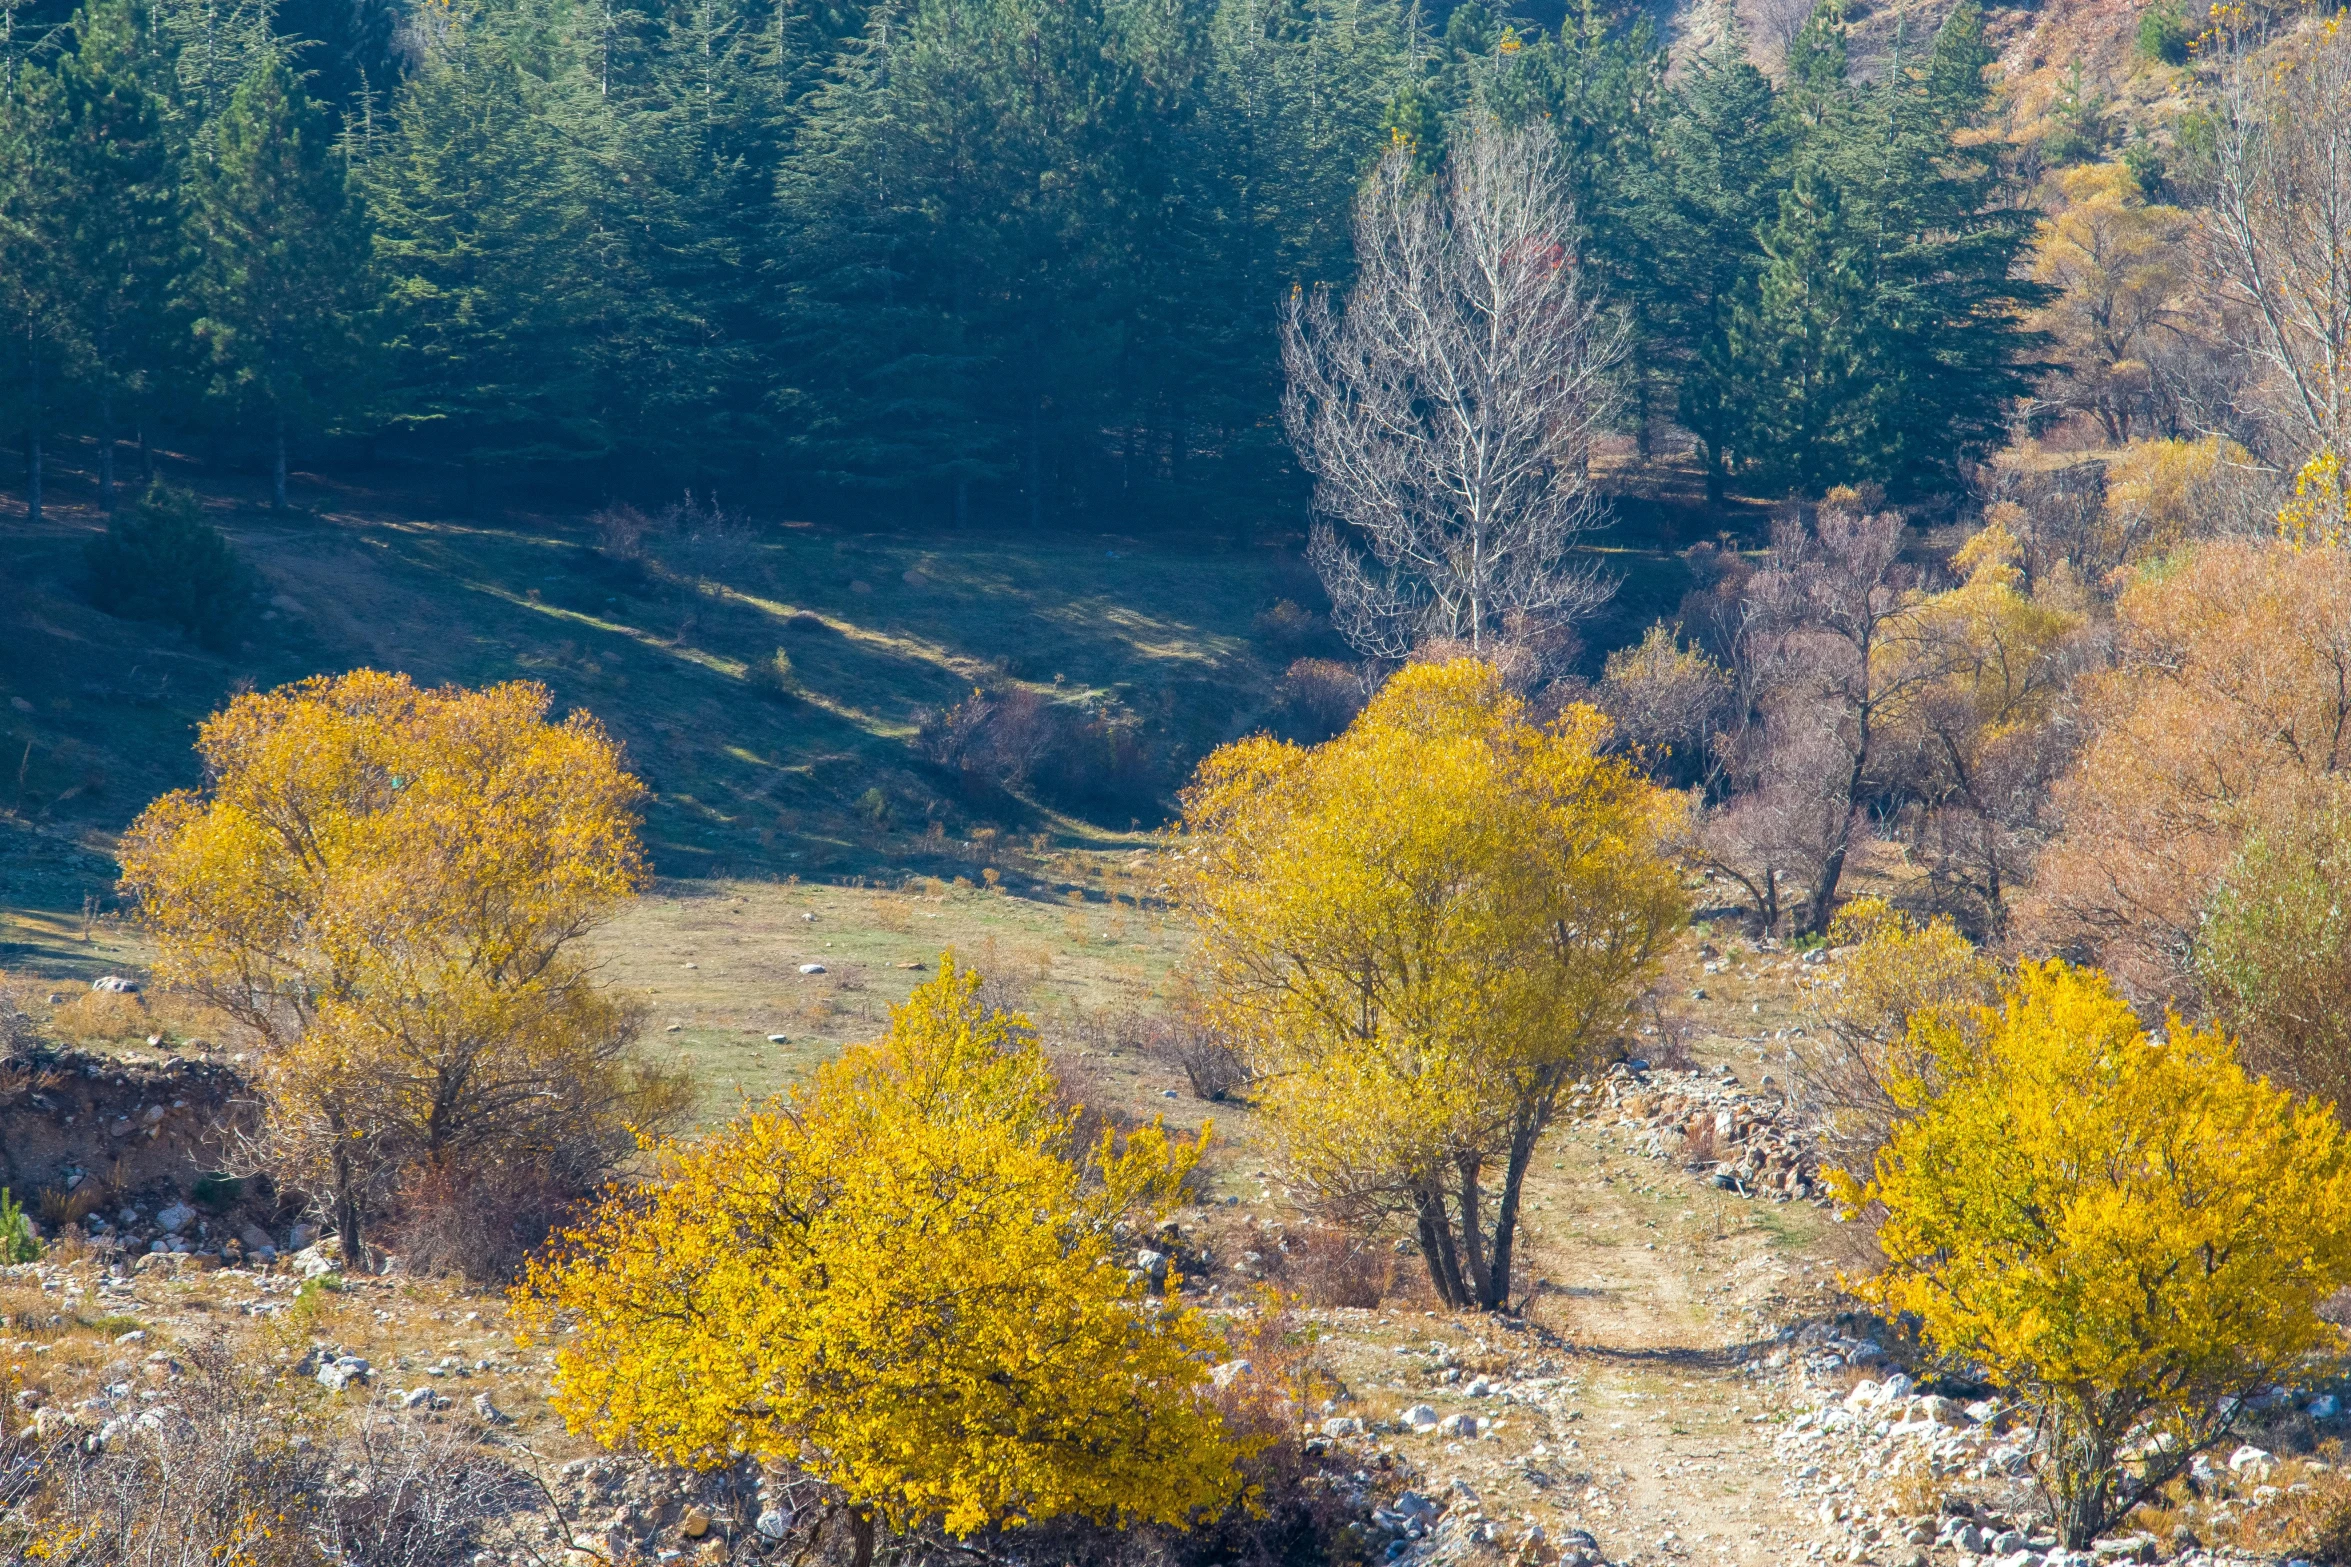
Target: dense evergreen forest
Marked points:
1020	259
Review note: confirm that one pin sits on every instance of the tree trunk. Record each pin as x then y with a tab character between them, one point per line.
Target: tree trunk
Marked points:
1832	869
1473	1235
347	1209
1523	1138
1033	459
861	1531
1436	1249
32	433
277	467
105	425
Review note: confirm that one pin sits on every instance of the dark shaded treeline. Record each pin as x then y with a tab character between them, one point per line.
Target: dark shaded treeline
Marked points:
1019	258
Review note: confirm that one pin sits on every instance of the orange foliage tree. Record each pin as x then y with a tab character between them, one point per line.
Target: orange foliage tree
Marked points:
389	888
2229	701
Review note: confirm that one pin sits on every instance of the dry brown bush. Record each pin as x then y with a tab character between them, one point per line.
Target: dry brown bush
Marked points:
1319	697
479	1224
227	1472
103	1016
1324	1266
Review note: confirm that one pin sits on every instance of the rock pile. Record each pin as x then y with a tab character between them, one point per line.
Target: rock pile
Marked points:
1750	1143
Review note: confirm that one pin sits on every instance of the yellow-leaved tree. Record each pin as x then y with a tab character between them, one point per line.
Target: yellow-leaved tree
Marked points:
1418	933
903	1281
1872	1058
389	887
2124	1229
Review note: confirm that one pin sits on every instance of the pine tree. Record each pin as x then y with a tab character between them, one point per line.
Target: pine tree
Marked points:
1882	338
499	280
1721	167
111	212
281	274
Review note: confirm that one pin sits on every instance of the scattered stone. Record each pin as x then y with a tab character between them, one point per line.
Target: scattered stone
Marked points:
1225	1375
339	1373
1420	1417
812	968
177	1217
1342	1425
1463	1425
115	985
779	1039
695	1524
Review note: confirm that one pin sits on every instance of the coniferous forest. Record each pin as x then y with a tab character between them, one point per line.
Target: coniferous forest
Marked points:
938	259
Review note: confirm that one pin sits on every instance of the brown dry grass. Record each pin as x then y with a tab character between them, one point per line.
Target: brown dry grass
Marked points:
103	1017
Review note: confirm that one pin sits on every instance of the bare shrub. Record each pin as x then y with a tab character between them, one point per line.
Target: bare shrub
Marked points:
1210	1062
704	541
1319	697
1286	626
620	531
1668	701
1324	1266
225	1473
1699	1141
479	1224
1071	754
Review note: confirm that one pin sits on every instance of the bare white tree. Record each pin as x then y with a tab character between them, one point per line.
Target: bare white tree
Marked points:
1447	413
2277	235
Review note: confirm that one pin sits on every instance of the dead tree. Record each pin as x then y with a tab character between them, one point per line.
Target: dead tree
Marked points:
1447	413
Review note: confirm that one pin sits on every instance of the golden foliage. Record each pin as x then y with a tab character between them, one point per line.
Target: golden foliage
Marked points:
1417	932
2120	269
2320	512
2163	494
1895	975
905	1280
1981	671
2125	1229
2230	697
388	886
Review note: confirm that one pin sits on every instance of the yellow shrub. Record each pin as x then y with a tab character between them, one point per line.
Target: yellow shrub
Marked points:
2123	1228
907	1281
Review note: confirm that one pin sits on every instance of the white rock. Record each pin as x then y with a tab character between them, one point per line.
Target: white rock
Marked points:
2325	1407
2251	1460
1226	1374
1458	1425
812	968
176	1218
779	1039
417	1398
774	1524
1479	1388
1420	1417
1342	1425
134	1336
115	985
